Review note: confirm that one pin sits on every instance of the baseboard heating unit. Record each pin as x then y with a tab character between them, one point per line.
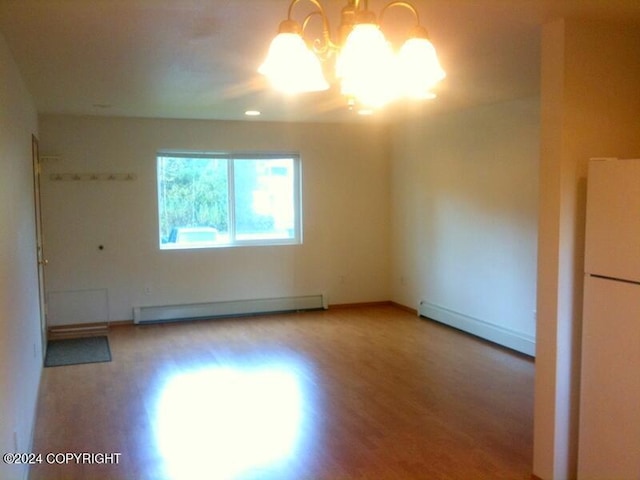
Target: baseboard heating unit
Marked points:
494	333
233	308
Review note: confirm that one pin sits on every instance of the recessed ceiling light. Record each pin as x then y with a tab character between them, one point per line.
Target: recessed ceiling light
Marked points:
252	113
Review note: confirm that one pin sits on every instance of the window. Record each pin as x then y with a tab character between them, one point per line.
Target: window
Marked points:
216	200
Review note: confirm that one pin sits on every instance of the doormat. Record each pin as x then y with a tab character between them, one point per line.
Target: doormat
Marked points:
75	351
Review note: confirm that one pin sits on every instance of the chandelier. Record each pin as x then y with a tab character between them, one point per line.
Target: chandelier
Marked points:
368	70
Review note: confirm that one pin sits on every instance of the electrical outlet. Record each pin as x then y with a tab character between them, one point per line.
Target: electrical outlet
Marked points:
147	290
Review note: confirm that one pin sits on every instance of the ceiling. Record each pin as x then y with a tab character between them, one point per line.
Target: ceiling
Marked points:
197	59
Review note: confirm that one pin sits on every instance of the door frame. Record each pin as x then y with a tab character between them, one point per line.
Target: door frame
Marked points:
40	256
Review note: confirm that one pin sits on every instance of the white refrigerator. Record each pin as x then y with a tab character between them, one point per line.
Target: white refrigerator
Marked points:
609	430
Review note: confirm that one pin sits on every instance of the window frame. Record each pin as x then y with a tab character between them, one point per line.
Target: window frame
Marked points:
231	158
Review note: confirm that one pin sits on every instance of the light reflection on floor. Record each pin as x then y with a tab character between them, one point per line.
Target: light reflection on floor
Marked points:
219	422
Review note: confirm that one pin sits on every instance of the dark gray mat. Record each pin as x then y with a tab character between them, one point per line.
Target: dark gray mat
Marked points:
74	351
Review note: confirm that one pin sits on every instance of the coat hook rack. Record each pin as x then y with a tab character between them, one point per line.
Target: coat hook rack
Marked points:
81	177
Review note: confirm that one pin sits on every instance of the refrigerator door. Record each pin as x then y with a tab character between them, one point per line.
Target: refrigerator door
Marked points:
612	247
609	443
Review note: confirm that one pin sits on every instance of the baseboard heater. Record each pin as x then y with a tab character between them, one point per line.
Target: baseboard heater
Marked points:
485	330
233	308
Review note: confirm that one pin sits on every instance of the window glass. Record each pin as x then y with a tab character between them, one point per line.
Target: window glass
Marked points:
264	199
211	200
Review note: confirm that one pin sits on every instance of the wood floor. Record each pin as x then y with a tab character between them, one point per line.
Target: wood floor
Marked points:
360	393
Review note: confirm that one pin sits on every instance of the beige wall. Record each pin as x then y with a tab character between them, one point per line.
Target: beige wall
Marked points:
464	203
20	338
345	253
590	108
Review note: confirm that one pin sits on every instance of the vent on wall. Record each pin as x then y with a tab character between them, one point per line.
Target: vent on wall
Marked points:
172	313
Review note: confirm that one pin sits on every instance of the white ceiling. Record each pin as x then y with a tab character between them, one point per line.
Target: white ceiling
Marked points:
198	58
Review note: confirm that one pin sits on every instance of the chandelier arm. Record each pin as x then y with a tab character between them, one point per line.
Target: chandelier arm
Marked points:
326	44
290	11
359	2
407	5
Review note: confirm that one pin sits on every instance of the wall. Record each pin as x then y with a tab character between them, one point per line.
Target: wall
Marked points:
345	253
20	337
590	104
464	215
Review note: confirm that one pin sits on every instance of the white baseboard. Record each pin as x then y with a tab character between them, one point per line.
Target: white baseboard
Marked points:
163	313
502	336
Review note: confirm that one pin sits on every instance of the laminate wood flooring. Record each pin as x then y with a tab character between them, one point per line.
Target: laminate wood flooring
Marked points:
361	393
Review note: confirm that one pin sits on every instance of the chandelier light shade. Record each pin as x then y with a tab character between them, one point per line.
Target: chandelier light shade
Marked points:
291	67
419	68
370	73
365	66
